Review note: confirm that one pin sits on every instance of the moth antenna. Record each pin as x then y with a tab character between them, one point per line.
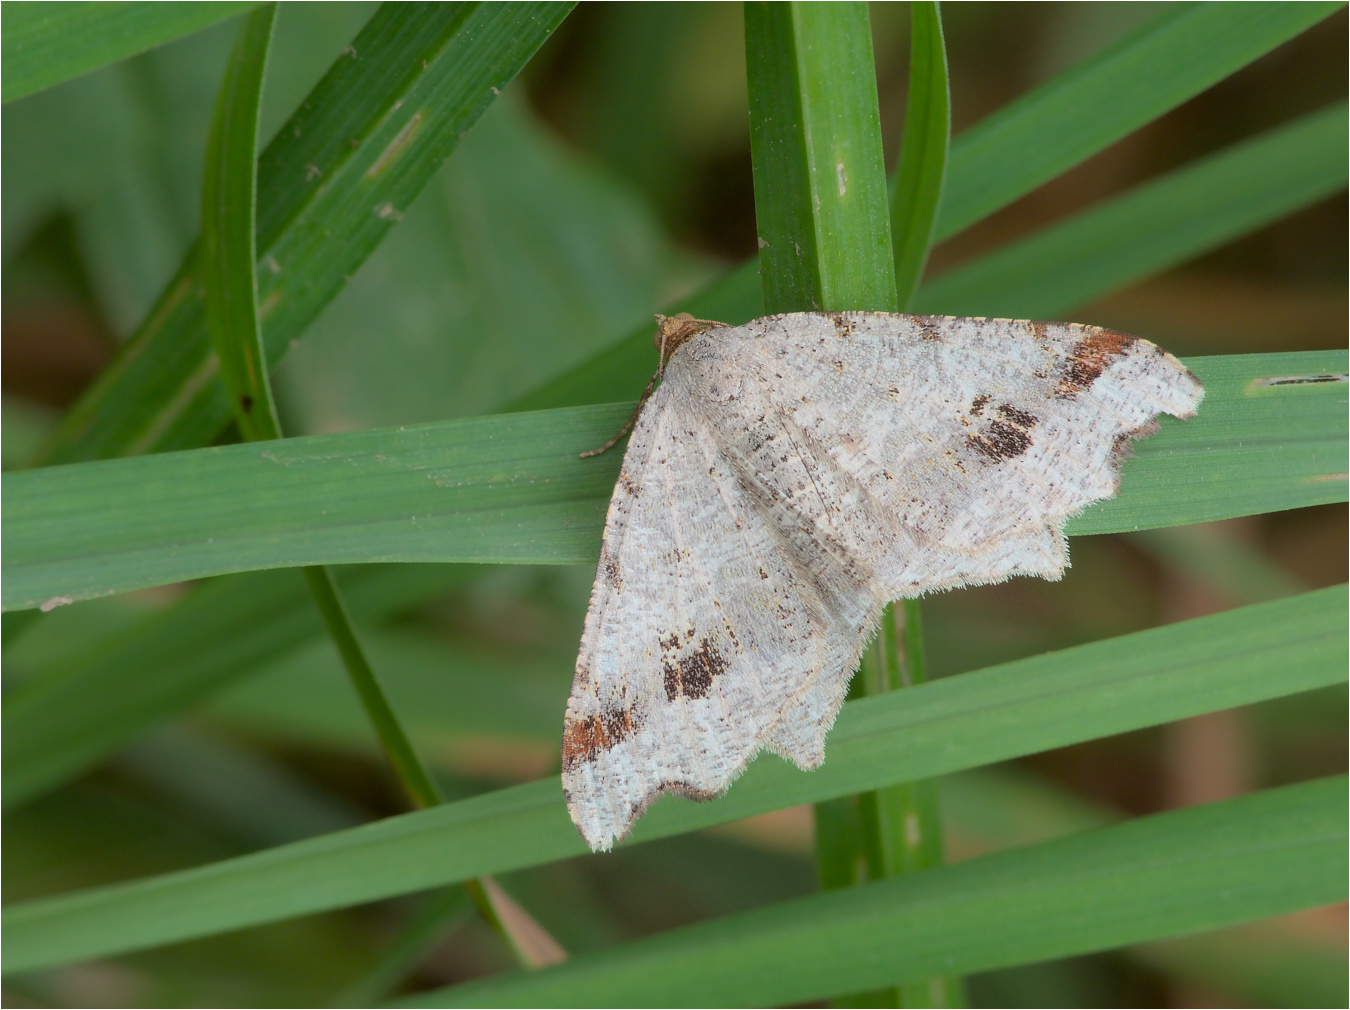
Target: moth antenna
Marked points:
627	425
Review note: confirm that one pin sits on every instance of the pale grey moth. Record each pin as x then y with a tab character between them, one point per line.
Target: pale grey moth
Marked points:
791	476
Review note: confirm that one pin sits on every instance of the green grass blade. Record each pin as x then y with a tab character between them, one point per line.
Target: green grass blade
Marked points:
916	191
228	262
1266	439
815	143
824	224
1184	669
228	257
1067	120
47	43
907	816
1170	874
1146	230
510	489
1154	226
72	718
337	177
414	778
158	398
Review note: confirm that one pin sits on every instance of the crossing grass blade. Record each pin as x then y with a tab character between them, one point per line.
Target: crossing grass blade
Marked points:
1186	49
1154	226
228	258
510	489
815	141
72	717
1128	238
1184	669
158	397
1170	874
916	190
338	176
47	43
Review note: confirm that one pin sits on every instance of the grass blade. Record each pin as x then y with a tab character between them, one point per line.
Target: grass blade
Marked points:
47	43
908	815
1146	230
1166	875
510	489
228	261
411	84
228	258
71	718
1184	669
815	142
158	398
1153	227
1064	122
916	191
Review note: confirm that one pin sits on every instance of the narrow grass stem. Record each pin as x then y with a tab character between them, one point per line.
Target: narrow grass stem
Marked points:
229	273
416	782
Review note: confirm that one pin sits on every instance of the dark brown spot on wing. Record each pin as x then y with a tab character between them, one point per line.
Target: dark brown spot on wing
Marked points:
843	326
691	676
632	487
587	738
929	329
1005	439
1000	441
1089	358
978	404
610	572
1015	415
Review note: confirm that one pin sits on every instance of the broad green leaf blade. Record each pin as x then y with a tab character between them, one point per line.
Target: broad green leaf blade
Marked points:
1155	226
1235	658
1167	875
1067	120
228	257
337	177
815	142
916	191
72	718
510	489
47	43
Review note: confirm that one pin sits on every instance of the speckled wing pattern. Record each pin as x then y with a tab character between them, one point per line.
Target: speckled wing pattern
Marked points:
791	476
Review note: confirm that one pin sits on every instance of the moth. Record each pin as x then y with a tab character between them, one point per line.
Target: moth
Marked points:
786	480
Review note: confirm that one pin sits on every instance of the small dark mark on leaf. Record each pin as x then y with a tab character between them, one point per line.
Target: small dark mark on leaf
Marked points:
1301	380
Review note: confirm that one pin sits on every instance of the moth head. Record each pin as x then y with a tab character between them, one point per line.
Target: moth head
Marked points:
672	331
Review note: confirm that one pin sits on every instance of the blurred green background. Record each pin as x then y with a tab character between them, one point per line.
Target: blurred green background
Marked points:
611	180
